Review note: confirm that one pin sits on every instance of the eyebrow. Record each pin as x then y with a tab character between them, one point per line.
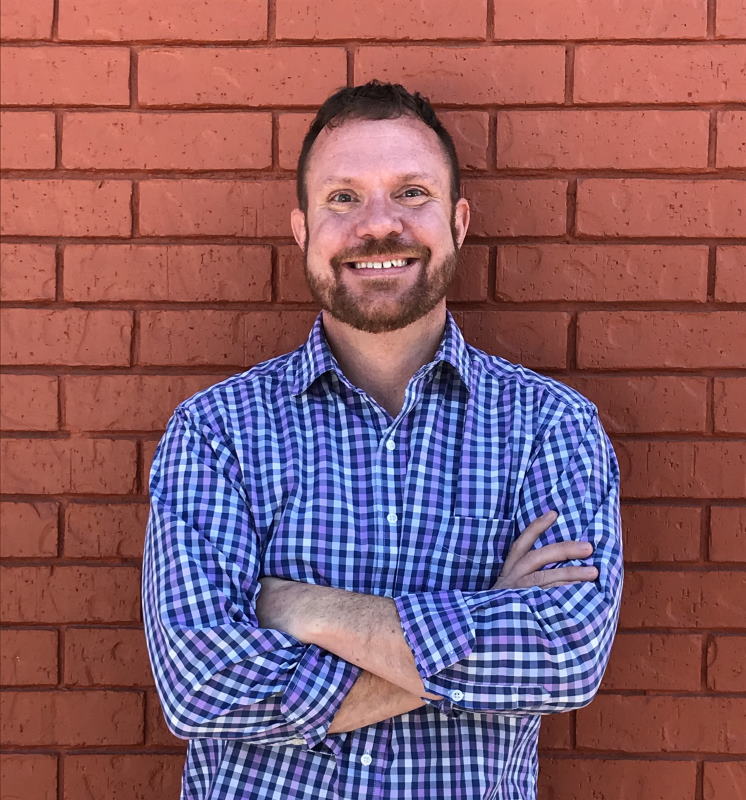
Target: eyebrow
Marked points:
408	178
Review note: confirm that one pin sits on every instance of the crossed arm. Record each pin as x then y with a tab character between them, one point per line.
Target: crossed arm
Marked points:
365	630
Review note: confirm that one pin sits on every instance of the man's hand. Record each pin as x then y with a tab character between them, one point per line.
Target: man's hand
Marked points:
280	604
523	566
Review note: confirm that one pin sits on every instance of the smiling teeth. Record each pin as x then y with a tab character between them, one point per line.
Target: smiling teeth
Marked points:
400	262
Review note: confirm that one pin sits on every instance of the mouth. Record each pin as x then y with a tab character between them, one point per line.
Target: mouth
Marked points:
383	266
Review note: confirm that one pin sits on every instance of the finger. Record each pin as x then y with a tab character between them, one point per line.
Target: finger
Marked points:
559	576
525	541
553	554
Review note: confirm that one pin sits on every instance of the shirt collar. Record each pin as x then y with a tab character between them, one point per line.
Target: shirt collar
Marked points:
316	358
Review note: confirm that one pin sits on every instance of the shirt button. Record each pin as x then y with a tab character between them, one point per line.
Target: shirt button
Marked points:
366	759
392	518
457	695
391	444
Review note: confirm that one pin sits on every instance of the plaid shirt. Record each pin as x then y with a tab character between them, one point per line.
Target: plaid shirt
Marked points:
291	471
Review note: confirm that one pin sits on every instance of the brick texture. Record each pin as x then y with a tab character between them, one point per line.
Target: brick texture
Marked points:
213	20
148	165
28	776
28	140
28	529
27	272
164	140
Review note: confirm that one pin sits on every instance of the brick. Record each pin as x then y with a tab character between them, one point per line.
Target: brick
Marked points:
683	599
597	19
95	657
167	140
661	533
203	76
470	131
28	529
66	207
291	279
731	19
730	405
726	659
655	662
470	280
123	777
52	466
730	280
134	20
555	732
601	272
216	208
325	19
643	207
291	130
724	779
24	776
50	75
28	140
470	75
28	658
602	139
105	531
156	731
640	339
731	139
72	337
728	533
663	725
604	779
29	402
71	594
516	207
26	19
170	272
640	73
535	339
74	719
646	404
127	402
682	469
220	337
27	272
147	452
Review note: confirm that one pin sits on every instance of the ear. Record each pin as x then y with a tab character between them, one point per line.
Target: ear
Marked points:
298	224
461	217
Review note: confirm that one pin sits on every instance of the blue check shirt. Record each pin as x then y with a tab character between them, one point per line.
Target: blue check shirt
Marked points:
289	470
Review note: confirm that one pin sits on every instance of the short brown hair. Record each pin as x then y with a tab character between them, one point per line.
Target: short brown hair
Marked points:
375	100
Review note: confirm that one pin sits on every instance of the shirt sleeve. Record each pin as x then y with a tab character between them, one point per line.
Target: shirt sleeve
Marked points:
218	674
533	650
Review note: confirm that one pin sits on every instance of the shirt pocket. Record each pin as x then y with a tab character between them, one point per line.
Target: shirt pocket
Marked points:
470	553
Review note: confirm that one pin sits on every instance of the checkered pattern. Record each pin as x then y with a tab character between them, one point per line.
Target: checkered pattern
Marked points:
289	470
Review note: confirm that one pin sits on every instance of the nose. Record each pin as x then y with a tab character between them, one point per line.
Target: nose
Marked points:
380	218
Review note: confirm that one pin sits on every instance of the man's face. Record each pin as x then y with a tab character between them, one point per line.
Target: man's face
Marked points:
379	194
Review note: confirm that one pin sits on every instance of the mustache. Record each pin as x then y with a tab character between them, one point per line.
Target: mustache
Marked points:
389	246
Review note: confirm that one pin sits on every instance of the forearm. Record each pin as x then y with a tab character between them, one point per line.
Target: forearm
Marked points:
364	630
371	700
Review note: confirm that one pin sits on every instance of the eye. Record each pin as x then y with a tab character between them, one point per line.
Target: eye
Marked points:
413	193
341	197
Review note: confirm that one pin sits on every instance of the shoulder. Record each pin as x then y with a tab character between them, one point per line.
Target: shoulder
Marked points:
229	403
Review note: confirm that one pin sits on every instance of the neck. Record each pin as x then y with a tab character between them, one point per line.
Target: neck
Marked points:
382	363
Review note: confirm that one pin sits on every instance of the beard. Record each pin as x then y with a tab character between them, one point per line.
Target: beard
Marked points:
384	307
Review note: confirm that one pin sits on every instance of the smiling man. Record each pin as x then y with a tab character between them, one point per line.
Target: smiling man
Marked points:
374	563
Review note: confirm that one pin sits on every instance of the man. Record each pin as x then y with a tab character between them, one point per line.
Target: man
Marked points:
373	563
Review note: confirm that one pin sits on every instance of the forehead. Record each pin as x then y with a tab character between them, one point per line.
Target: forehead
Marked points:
361	149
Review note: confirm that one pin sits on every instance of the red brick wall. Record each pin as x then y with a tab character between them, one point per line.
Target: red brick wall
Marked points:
148	150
